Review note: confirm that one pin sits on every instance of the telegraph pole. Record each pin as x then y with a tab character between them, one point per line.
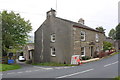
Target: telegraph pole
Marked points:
56	5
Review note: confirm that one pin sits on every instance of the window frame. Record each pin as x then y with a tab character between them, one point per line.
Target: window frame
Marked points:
84	35
52	50
53	37
97	38
81	52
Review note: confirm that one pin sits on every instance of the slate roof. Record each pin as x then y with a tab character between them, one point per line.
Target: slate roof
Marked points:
79	25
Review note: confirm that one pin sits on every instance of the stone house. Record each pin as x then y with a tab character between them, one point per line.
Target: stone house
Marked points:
57	40
28	51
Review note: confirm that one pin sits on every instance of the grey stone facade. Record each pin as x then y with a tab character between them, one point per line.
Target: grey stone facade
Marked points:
67	40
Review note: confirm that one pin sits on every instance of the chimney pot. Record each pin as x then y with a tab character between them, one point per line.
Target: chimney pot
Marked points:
51	13
81	21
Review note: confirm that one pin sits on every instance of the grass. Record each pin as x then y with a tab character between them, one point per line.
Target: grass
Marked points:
6	67
117	78
115	53
53	64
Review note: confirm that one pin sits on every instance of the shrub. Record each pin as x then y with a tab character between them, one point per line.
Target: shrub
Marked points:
29	62
107	45
101	54
86	58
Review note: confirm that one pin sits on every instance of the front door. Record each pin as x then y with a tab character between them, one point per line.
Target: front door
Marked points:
91	51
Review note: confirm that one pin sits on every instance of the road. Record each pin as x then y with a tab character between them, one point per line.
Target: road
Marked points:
105	68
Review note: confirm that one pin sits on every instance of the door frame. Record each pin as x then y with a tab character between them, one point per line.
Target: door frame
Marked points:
91	51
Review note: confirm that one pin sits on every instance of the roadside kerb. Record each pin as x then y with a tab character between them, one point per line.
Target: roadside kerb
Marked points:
90	60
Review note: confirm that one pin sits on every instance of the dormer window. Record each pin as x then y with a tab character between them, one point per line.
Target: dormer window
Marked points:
97	38
82	36
53	37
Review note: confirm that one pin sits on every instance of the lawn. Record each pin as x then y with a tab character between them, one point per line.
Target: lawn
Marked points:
117	78
6	67
53	64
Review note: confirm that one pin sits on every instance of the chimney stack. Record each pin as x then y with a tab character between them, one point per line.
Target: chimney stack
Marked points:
51	13
81	21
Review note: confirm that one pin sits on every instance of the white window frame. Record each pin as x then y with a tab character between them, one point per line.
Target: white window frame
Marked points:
52	51
97	49
81	51
84	34
53	36
97	38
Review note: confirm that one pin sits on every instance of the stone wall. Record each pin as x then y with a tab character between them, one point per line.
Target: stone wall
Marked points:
90	37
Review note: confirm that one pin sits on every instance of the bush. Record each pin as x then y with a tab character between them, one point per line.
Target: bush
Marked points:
107	45
29	62
102	54
86	58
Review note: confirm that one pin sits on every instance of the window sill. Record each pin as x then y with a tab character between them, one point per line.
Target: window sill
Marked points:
53	55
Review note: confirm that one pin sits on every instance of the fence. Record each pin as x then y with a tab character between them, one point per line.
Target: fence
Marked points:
3	60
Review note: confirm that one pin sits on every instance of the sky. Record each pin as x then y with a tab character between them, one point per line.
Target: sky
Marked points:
95	12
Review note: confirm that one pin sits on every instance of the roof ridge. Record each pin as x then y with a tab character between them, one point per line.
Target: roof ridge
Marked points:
79	24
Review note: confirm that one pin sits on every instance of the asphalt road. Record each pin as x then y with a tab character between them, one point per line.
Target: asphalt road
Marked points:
105	68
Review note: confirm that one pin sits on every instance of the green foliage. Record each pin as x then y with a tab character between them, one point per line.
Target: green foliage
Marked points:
118	32
53	64
14	30
86	58
107	46
101	29
28	62
6	67
117	78
112	33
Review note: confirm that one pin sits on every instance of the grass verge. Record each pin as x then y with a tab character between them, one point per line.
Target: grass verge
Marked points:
117	78
6	67
53	64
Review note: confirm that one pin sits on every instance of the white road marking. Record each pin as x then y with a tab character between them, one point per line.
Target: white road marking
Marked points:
11	73
75	73
66	67
61	67
110	64
36	70
57	67
28	71
19	72
43	68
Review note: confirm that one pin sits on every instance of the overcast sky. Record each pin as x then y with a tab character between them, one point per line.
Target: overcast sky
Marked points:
95	12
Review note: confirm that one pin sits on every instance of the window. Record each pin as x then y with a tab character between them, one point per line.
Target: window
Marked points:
52	37
82	51
97	49
53	51
97	37
82	36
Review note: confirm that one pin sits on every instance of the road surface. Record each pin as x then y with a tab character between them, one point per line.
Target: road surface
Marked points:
105	68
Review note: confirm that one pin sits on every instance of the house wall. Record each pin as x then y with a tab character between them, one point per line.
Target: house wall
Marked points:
42	43
90	36
67	41
63	44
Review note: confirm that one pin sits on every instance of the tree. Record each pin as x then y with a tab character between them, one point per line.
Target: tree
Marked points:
107	45
112	33
118	32
101	29
14	30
